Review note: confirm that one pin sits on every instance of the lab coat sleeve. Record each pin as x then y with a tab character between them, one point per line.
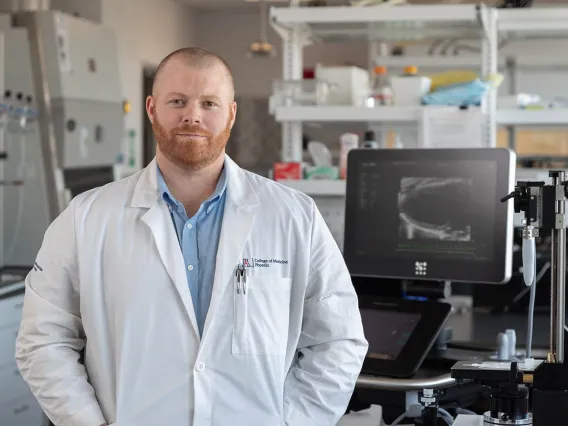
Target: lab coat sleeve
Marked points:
332	344
51	335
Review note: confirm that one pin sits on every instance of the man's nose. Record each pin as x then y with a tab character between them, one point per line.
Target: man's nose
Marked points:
192	115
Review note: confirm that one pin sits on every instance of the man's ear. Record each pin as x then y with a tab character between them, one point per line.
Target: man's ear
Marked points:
233	108
150	106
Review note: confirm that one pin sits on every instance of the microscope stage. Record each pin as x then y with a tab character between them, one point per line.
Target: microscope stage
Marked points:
468	420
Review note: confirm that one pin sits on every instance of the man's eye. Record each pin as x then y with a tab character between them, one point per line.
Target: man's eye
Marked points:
210	104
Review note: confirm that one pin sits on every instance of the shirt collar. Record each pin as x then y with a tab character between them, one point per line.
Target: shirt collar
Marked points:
173	202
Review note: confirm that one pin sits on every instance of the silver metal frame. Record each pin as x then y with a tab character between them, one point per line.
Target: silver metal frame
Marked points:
405	385
558	274
510	218
2	147
53	172
489	47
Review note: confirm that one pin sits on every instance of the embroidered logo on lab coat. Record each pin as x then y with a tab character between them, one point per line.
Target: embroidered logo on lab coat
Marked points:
254	262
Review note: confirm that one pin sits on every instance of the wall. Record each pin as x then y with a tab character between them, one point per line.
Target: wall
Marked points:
146	31
88	9
253	77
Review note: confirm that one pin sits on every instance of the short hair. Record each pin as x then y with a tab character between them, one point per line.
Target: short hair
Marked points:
198	57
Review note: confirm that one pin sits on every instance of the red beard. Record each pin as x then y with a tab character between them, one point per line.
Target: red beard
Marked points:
191	153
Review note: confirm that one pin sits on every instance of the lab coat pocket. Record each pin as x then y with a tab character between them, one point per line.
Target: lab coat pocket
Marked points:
261	317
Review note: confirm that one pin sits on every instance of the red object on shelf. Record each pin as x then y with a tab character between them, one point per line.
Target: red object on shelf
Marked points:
287	171
309	74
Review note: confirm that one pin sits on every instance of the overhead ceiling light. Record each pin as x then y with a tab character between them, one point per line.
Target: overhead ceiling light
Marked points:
262	48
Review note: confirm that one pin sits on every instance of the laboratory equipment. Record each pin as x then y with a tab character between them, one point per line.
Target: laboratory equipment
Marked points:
544	208
421	218
429	214
400	334
61	121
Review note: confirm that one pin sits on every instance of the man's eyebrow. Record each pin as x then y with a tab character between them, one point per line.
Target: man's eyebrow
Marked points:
175	94
214	97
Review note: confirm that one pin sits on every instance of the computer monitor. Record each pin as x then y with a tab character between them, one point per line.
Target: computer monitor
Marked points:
430	214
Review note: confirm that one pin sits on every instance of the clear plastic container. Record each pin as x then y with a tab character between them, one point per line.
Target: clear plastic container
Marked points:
301	92
381	90
409	87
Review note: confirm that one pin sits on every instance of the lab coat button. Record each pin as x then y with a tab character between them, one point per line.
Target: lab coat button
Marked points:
199	366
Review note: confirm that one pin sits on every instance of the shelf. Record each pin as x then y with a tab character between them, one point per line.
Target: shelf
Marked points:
348	114
533	22
403	22
435	62
324	113
322	187
520	117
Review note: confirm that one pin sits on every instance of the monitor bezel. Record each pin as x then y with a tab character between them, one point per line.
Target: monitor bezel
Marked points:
497	271
433	316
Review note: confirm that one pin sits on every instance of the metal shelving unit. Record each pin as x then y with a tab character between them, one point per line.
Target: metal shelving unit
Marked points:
325	113
528	117
299	26
526	24
324	187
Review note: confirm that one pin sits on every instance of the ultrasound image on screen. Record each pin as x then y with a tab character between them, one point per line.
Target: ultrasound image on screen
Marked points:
427	215
421	218
420	211
387	332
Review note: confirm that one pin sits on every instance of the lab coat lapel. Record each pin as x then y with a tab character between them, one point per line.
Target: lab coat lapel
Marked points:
240	207
159	221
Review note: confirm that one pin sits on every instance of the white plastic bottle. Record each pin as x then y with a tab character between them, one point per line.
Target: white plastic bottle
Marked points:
348	141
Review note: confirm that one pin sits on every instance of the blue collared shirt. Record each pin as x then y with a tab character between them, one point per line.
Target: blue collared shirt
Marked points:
199	238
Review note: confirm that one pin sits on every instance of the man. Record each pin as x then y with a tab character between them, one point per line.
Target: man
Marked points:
199	293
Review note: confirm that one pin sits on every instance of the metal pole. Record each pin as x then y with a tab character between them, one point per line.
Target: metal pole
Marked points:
3	148
489	54
292	70
513	74
558	274
406	385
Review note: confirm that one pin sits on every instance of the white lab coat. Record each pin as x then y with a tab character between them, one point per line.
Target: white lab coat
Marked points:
110	268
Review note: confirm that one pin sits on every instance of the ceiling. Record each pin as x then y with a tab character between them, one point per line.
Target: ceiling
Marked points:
247	4
253	4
